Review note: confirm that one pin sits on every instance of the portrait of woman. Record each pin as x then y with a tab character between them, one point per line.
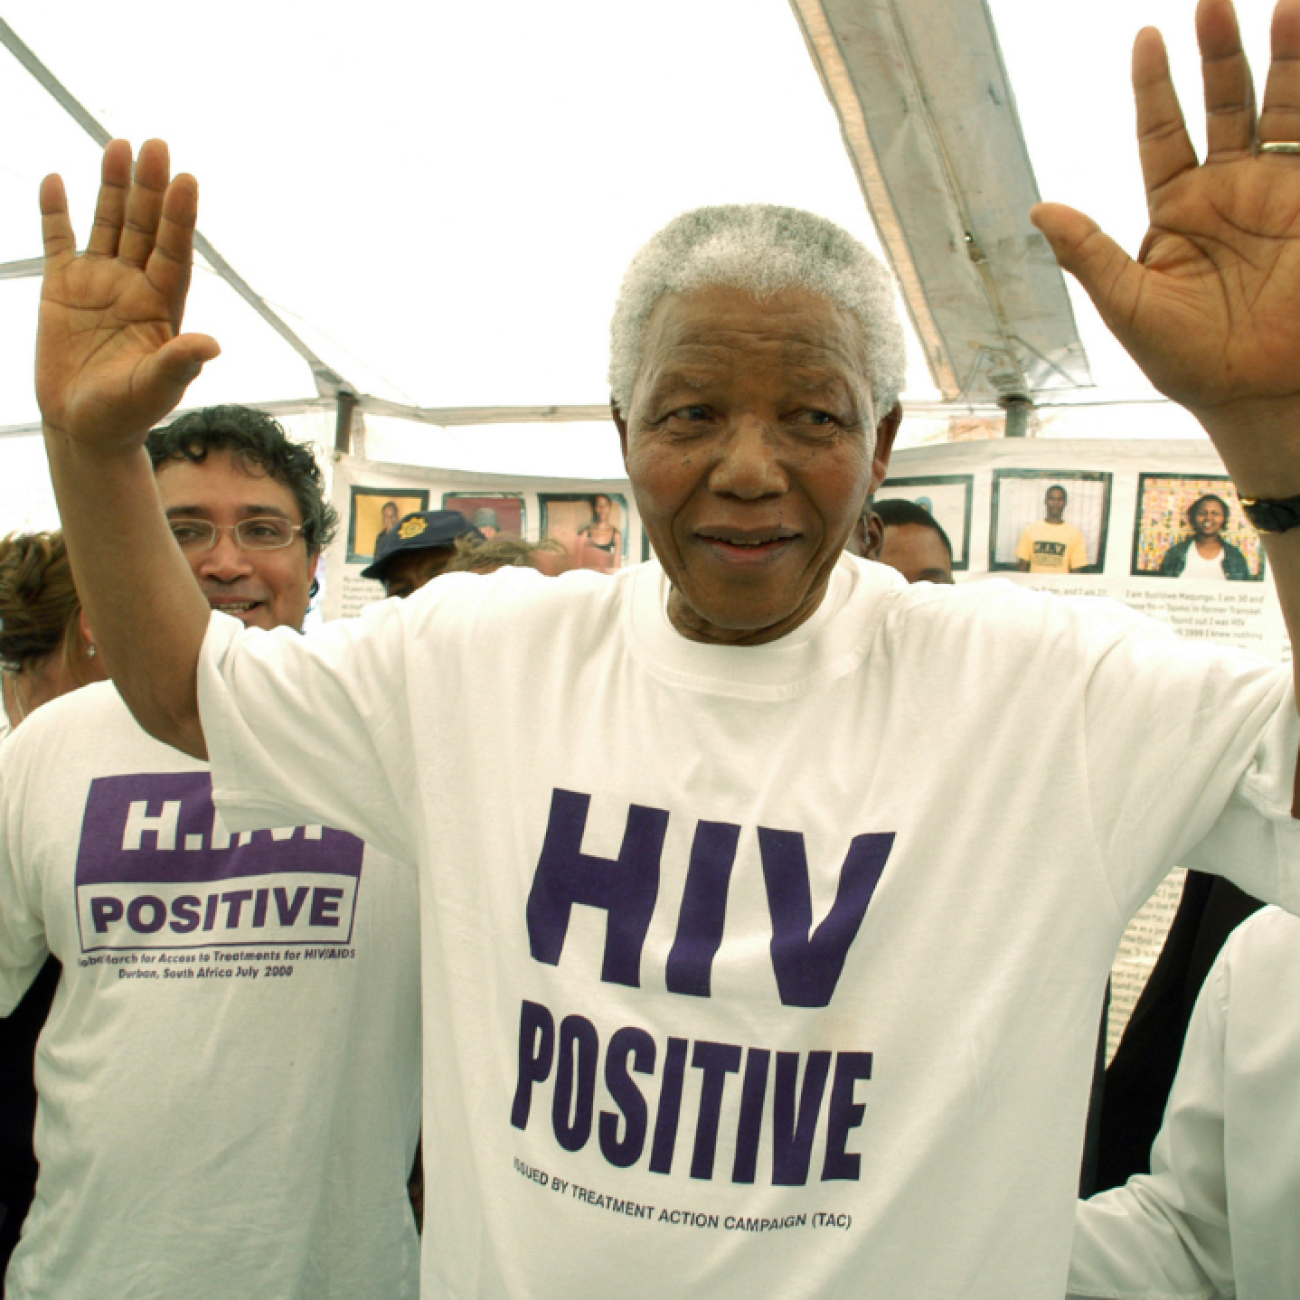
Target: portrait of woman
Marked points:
603	542
1206	553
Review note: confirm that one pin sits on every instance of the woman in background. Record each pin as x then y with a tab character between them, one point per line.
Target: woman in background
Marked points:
44	652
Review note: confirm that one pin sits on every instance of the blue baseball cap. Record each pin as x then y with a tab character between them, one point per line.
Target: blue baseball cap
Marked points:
424	530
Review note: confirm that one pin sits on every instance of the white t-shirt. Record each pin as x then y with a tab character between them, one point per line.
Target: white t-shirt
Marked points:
760	971
228	1081
1219	1214
1197	567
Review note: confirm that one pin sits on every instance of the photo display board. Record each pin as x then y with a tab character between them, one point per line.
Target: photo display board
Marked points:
596	522
1125	530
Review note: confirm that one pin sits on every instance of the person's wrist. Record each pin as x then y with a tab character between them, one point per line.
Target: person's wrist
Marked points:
66	443
1259	442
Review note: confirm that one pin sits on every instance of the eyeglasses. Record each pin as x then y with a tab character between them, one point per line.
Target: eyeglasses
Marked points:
264	533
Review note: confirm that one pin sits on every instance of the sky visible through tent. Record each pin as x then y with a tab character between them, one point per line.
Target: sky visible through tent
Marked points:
441	198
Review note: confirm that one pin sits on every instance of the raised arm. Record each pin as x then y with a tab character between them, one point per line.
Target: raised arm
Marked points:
1211	307
110	363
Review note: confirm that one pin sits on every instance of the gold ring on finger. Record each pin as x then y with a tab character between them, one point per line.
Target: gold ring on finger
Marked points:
1278	146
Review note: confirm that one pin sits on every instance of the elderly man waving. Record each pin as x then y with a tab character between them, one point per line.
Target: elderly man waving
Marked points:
755	984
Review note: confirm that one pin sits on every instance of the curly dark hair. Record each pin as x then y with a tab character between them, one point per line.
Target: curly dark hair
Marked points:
259	442
38	602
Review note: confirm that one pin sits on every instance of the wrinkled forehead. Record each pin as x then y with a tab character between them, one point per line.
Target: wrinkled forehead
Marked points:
797	328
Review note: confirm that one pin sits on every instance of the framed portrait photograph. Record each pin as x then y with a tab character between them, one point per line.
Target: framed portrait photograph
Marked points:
1049	521
1192	526
947	497
375	511
592	527
491	514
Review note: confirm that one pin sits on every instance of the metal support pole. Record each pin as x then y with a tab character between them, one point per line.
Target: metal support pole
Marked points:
347	403
1017	409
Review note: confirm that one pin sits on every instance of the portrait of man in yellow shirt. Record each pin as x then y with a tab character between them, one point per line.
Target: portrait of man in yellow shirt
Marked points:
1050	545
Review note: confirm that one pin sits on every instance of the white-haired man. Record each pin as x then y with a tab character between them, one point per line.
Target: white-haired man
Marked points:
648	1070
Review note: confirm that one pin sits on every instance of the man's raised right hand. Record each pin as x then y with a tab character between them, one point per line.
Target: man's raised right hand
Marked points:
110	359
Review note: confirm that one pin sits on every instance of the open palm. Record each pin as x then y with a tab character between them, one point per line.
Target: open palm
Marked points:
1211	317
110	360
1209	307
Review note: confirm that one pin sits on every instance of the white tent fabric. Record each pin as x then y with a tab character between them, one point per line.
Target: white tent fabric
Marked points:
439	200
930	124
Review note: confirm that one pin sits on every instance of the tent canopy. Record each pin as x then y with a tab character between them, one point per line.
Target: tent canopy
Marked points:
438	201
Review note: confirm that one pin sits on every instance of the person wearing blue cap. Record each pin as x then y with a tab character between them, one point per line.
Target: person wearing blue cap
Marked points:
418	549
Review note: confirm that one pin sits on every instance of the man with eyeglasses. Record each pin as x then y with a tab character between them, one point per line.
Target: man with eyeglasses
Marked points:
229	1078
251	535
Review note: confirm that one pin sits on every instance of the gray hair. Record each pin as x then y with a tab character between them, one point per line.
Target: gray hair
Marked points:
763	249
